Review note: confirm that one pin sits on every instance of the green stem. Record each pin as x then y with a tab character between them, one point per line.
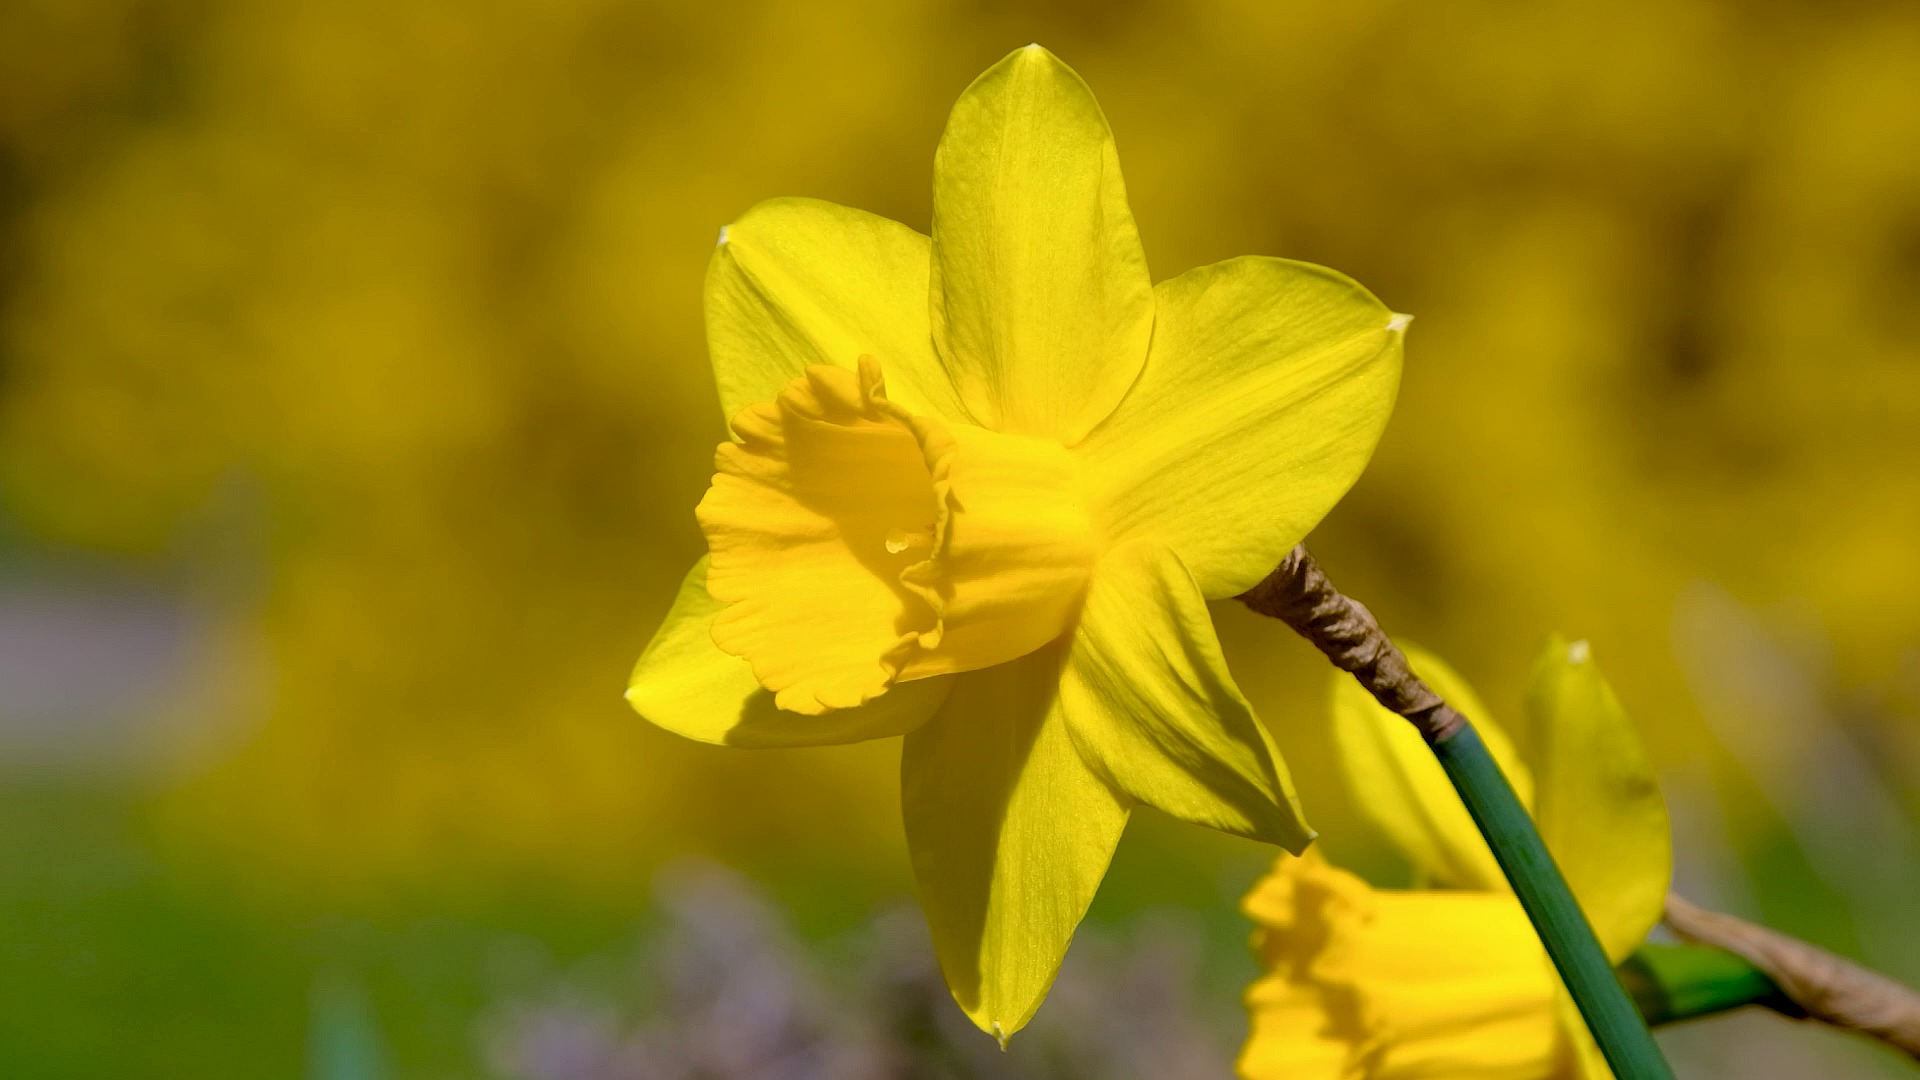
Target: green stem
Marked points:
1670	983
1617	1027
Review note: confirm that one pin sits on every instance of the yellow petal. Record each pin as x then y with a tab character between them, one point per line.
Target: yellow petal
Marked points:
1041	302
1010	833
687	685
1379	983
797	282
1586	1062
1150	704
1599	806
1268	384
1402	789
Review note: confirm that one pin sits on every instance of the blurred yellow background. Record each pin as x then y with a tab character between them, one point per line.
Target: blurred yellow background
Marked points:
363	341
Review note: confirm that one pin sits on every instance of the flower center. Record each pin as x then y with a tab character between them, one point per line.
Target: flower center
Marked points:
857	545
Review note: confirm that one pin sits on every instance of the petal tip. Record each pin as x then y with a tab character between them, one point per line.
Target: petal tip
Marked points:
1579	652
1000	1034
1033	53
1395	325
722	241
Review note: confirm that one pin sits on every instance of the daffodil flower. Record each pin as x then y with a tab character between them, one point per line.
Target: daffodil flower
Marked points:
981	488
1451	982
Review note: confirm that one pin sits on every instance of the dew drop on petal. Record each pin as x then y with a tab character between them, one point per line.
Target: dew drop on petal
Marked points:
899	540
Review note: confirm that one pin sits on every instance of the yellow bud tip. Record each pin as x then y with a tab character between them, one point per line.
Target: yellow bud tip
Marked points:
1579	652
1398	323
1000	1033
722	242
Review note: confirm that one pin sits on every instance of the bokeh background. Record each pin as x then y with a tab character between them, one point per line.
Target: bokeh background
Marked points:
353	405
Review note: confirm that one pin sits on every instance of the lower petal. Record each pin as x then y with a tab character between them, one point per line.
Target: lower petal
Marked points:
687	685
1150	704
1010	833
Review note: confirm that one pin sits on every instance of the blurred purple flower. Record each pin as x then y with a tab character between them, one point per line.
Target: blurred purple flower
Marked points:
724	991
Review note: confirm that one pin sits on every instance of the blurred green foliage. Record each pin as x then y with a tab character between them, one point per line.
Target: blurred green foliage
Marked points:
378	326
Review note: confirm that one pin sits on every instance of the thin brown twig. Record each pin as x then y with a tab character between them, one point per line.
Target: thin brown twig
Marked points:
1830	988
1299	594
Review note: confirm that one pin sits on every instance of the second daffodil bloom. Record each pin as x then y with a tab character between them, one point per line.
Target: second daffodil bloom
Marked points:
981	488
1451	983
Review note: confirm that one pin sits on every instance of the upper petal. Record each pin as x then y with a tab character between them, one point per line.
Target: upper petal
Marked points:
1400	786
796	282
1267	386
1041	302
686	684
1150	704
1599	806
1010	833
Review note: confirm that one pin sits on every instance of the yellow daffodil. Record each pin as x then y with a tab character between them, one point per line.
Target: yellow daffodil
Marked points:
1451	982
981	488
